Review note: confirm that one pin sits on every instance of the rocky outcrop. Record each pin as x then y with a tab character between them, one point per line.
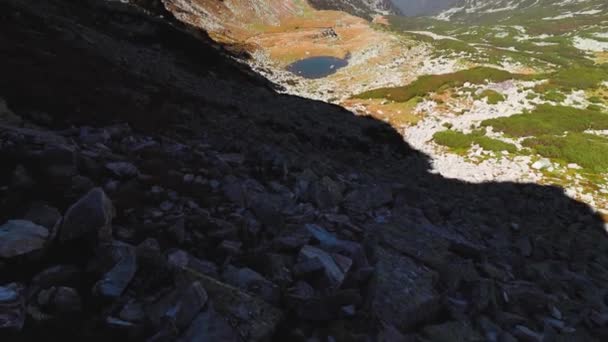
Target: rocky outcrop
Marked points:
231	19
196	204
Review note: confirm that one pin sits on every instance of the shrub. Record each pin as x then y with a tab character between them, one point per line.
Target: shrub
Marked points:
595	108
431	83
453	139
595	99
531	96
554	96
493	97
549	120
586	150
461	141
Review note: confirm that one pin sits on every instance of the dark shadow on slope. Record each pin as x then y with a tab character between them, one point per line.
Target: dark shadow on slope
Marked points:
510	252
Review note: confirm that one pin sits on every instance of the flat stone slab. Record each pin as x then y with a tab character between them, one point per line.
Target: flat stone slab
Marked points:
252	317
404	293
20	237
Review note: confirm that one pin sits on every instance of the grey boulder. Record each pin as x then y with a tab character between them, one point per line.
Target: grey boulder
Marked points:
209	326
251	281
93	212
12	306
116	280
334	266
20	237
404	293
179	306
122	170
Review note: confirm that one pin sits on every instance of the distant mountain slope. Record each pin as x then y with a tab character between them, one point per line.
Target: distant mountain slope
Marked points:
473	10
234	18
422	7
361	8
245	18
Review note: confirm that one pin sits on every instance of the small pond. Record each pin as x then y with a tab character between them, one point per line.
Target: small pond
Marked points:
317	67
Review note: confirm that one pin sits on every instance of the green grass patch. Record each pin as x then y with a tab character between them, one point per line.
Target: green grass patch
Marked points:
531	96
587	150
461	142
493	96
554	96
430	83
577	77
595	99
549	120
595	108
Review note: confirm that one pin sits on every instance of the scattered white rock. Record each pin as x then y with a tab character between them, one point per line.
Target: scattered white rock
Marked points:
541	164
576	99
601	133
601	34
588	44
447	14
454	166
433	35
573	14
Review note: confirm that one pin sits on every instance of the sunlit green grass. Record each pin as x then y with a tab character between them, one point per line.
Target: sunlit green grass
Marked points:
554	96
461	142
586	150
493	96
431	83
549	120
578	77
486	38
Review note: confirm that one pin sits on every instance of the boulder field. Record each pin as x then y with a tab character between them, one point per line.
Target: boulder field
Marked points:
153	189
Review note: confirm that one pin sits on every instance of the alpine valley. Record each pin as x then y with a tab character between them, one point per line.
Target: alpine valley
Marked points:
304	170
507	90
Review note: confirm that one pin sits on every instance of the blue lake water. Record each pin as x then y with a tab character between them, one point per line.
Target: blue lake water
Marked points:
317	67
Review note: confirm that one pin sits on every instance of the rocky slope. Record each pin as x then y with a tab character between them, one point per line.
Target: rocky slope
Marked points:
233	19
422	7
362	8
146	195
487	10
375	58
236	20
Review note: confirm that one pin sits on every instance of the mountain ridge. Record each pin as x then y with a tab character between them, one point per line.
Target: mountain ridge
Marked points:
477	9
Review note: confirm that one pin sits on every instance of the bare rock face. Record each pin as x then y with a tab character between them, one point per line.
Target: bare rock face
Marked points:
12	307
92	213
179	307
333	272
451	331
251	281
253	319
122	170
60	301
209	326
20	237
404	291
116	280
362	8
